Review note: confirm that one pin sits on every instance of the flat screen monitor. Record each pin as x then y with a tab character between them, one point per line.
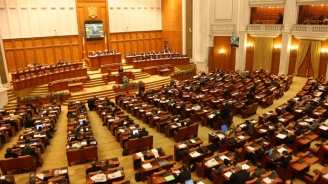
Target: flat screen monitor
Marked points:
224	127
39	127
81	122
270	152
234	41
94	30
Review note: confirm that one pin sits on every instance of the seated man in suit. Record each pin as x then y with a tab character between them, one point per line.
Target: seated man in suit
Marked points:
143	132
257	173
120	69
10	154
239	175
56	175
284	160
184	175
94	168
107	166
29	151
226	163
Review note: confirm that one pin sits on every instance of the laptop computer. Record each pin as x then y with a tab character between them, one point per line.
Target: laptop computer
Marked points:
39	127
81	122
224	128
270	152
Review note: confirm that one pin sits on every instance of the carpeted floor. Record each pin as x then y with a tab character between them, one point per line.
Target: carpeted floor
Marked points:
55	154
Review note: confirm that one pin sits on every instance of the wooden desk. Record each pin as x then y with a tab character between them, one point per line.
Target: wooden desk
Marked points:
47	174
46	78
96	61
114	161
188	144
154	70
136	159
107	68
109	179
130	59
145	63
15	75
155	166
64	84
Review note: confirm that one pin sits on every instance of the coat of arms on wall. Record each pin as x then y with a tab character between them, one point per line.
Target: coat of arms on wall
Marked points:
92	12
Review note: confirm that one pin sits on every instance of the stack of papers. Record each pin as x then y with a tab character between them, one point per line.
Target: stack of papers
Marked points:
155	151
241	137
228	174
250	148
63	171
222	157
182	146
147	166
115	174
281	119
221	136
281	136
267	180
263	130
242	125
245	166
40	176
280	150
194	154
174	126
211	162
322	127
139	154
192	141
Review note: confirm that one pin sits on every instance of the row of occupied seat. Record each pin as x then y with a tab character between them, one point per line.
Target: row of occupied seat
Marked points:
20	70
17	165
139	144
186	132
32	75
82	155
249	111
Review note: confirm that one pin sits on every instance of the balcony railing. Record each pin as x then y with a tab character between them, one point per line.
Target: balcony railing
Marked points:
264	27
310	28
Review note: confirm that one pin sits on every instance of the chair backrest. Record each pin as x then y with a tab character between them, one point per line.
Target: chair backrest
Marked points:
253	181
28	76
26	162
56	180
132	145
121	182
22	77
56	70
146	142
181	134
193	130
72	67
66	68
254	107
61	69
159	173
9	165
74	156
94	173
90	152
41	73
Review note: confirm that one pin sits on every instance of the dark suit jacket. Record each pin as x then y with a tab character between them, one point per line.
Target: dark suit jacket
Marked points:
93	169
285	161
239	177
259	154
143	133
11	155
29	123
183	176
290	139
182	106
29	151
120	70
105	167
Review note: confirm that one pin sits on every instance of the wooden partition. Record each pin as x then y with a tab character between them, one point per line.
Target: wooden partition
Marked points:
82	7
172	24
45	50
222	60
131	42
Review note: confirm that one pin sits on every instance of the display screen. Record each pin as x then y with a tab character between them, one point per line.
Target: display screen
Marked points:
234	41
94	30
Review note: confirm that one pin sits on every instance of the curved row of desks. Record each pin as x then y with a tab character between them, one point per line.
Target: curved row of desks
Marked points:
174	61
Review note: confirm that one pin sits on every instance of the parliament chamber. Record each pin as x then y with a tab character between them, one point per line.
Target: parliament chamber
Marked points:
163	91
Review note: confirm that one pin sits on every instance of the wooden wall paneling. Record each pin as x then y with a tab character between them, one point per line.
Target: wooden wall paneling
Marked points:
39	55
222	60
120	46
10	56
134	44
76	53
67	53
147	45
305	69
275	62
20	58
211	59
249	59
128	47
50	55
29	55
323	67
141	46
292	56
159	45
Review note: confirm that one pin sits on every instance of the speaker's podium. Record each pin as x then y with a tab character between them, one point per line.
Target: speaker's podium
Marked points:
120	75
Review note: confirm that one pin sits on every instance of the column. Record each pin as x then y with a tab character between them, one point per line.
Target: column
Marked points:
243	21
290	16
200	34
4	81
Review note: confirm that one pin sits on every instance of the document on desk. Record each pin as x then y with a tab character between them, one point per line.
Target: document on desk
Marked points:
121	130
63	171
250	148
228	174
41	176
280	150
139	154
267	180
182	146
221	136
263	130
281	136
147	166
281	119
155	153
245	166
322	127
192	141
115	174
211	162
222	157
174	126
194	154
241	137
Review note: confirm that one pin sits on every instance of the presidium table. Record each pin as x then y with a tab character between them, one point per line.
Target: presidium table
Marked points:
96	61
155	62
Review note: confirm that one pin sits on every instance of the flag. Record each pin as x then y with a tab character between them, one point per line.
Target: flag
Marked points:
83	43
105	42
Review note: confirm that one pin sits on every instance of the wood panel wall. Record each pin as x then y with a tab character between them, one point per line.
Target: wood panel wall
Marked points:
266	14
131	42
315	10
222	60
250	53
83	15
45	50
172	24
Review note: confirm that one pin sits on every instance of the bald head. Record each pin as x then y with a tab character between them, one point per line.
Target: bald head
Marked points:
238	167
